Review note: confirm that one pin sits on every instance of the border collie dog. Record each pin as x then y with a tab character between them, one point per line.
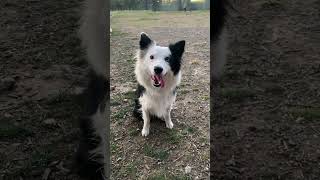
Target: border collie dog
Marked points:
158	74
91	158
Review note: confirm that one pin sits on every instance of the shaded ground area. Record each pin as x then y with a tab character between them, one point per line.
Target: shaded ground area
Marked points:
42	71
165	153
267	107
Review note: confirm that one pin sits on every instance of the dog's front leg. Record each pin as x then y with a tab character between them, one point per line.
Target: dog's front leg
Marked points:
167	118
146	123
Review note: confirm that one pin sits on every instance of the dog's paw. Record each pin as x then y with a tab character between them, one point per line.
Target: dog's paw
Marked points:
145	132
169	124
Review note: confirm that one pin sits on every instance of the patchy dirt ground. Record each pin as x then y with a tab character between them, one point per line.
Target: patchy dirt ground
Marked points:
267	107
165	153
42	72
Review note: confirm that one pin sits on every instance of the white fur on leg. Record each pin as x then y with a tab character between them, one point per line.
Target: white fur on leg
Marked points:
146	123
220	53
168	121
99	124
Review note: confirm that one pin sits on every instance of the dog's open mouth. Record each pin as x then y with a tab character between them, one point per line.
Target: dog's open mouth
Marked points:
157	81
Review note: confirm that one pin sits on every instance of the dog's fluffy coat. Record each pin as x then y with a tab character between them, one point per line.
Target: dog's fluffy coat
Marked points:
91	157
156	93
151	101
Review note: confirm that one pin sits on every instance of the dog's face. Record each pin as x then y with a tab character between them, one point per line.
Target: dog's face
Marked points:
160	61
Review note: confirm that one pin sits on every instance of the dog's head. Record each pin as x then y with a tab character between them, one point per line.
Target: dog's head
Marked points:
160	61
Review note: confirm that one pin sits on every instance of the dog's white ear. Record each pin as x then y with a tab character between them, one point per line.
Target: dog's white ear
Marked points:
145	41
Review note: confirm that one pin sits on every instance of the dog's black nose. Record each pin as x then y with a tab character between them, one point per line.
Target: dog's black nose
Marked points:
158	70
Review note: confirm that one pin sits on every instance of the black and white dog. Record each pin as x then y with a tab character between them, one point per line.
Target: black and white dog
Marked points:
91	158
158	74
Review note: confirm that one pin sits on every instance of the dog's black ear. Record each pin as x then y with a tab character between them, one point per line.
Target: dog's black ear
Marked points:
145	41
177	49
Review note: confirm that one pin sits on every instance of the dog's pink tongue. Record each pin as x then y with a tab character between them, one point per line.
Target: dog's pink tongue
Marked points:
160	80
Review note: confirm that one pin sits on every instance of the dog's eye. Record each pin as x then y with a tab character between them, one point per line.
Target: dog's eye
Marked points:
166	59
151	57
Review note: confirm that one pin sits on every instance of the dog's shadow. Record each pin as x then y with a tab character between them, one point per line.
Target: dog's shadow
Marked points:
154	120
158	129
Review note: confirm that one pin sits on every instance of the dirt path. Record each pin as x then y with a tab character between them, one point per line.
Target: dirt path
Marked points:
165	153
42	71
268	105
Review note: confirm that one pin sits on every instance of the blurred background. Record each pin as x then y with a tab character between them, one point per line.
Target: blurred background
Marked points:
160	5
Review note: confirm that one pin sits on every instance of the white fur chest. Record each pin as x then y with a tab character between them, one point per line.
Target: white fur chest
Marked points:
157	103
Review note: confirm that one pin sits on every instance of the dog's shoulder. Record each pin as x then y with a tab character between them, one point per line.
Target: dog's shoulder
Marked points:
140	90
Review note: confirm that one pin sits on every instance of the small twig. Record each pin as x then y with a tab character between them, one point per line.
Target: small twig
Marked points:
46	174
275	108
312	127
178	158
302	105
9	107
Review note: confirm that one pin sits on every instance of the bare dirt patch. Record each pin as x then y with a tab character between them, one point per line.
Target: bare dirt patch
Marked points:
42	72
267	106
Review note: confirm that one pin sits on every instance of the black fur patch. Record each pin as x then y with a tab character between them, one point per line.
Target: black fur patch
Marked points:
136	111
219	13
177	50
88	167
145	41
96	93
174	91
95	97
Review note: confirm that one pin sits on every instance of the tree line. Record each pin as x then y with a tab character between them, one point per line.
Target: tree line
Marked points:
154	5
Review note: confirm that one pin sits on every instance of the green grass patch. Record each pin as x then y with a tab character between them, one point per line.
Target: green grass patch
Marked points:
148	19
64	106
116	32
173	136
307	113
60	97
164	176
114	147
237	94
188	130
183	91
114	102
118	99
8	130
155	153
131	170
205	97
41	158
129	95
133	131
121	113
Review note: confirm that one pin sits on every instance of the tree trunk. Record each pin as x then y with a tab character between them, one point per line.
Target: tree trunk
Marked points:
179	5
156	5
146	4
